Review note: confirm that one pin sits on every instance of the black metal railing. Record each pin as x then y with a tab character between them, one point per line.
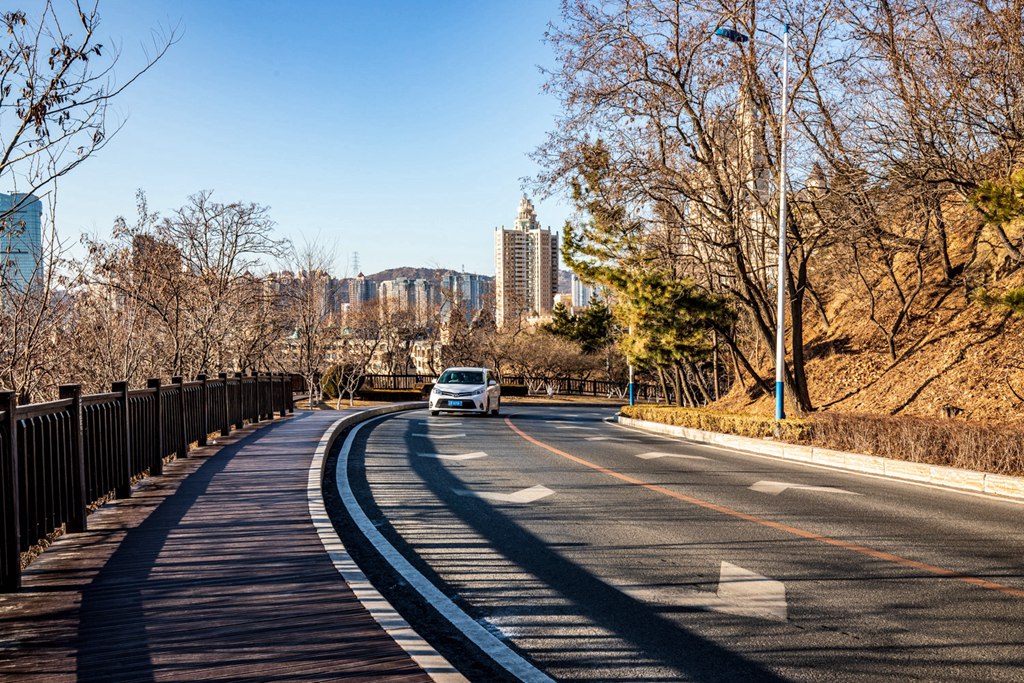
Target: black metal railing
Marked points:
570	386
61	458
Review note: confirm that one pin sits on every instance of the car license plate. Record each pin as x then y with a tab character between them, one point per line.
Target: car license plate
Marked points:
455	404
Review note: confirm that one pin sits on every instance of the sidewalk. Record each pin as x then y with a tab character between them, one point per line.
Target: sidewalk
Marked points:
212	572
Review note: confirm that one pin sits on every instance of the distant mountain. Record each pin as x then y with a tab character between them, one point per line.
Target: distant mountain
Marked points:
414	273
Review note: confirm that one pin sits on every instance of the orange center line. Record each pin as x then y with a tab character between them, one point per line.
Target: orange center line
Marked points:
803	533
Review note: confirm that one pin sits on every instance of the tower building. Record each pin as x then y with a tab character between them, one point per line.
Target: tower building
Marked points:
21	238
525	267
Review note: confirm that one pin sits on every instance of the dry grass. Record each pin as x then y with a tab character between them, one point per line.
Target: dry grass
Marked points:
950	443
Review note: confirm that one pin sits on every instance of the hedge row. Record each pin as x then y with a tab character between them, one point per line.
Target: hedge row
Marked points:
742	425
950	443
422	391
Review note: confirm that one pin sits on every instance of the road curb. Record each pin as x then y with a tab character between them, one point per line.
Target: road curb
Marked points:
432	662
953	478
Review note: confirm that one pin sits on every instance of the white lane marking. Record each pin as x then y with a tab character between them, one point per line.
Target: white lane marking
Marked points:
436	666
740	592
530	495
658	454
474	632
774	488
425	435
603	438
460	456
592	429
440	424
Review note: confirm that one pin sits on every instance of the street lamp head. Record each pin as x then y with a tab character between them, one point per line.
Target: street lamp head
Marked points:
732	34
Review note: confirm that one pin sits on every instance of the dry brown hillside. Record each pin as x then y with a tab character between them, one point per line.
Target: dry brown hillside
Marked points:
957	356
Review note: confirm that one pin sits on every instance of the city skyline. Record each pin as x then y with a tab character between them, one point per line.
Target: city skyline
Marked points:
423	116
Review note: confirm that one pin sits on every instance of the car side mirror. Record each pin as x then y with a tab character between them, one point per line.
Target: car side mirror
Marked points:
491	383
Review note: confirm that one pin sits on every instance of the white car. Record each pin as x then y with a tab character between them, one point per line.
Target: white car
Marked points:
473	390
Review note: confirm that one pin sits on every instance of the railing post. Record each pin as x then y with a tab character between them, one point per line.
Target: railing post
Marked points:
182	435
241	402
284	396
156	468
10	572
78	510
225	425
256	415
123	488
204	408
291	394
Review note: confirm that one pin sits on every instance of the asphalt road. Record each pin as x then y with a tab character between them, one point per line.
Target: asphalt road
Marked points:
602	553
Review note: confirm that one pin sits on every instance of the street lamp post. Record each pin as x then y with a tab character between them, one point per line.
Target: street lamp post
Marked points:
780	317
631	398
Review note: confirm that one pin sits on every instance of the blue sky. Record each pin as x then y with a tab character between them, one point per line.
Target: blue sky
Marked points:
398	130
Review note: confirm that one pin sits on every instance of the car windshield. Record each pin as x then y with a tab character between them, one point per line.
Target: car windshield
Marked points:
461	377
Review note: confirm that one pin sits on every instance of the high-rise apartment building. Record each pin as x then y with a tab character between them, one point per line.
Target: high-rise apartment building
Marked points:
465	288
419	296
21	237
581	293
361	290
525	267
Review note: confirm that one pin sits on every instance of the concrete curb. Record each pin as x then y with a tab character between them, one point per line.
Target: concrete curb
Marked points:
933	475
384	613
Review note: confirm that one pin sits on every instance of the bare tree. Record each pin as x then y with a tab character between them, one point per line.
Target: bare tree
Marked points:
35	321
357	348
56	83
221	245
316	326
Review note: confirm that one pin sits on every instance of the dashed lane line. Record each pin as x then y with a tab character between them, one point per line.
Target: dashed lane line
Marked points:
795	531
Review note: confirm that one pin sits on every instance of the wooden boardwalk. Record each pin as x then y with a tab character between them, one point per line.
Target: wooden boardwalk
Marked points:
211	572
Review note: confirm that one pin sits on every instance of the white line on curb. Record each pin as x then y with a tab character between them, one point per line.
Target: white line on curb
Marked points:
431	661
473	631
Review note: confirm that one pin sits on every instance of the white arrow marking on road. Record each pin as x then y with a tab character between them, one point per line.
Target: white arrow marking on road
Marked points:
460	456
752	593
740	592
657	454
438	436
774	488
530	495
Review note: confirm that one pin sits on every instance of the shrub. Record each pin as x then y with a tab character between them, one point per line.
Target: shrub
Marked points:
334	381
514	390
389	395
424	388
697	418
949	443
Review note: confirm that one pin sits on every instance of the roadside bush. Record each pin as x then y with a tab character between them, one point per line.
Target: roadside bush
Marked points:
514	390
753	426
949	443
424	388
389	395
334	382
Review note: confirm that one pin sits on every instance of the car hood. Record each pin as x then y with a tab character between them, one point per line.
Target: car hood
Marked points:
460	388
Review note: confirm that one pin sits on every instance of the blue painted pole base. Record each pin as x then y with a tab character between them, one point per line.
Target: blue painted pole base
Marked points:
630	393
780	410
